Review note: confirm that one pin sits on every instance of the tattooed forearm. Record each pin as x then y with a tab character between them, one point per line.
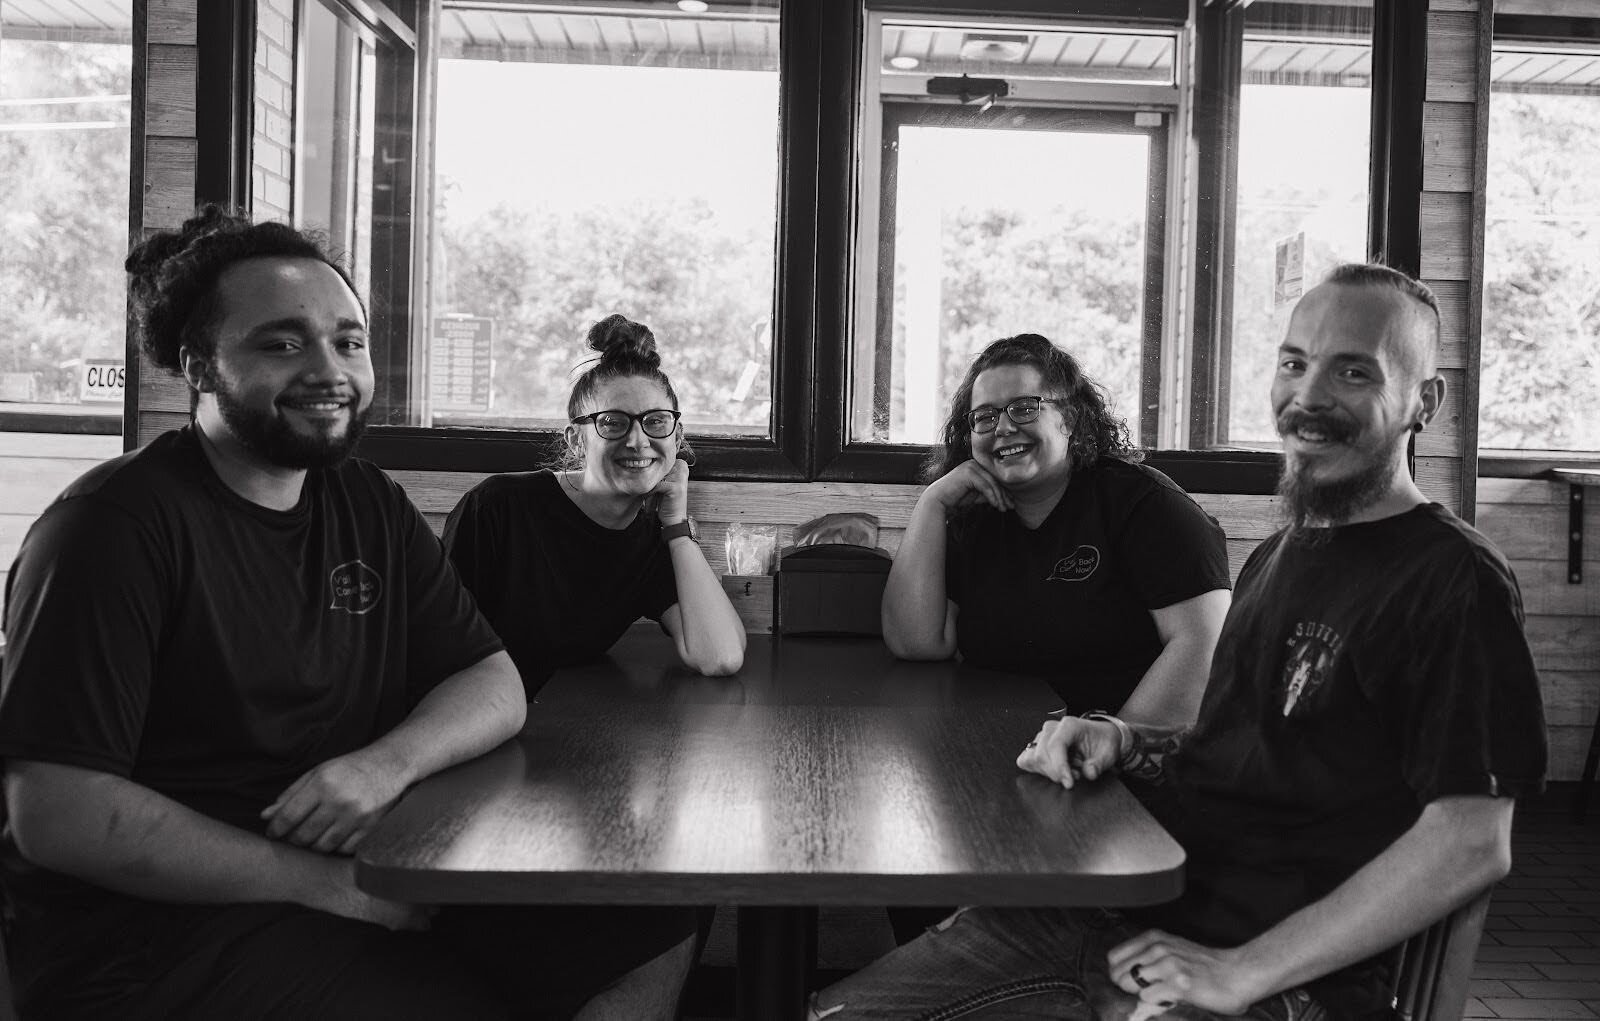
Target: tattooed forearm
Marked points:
1151	746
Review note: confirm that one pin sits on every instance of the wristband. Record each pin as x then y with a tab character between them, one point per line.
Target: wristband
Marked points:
1124	732
684	528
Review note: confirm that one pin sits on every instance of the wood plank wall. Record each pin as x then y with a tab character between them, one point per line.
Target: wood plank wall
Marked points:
1454	117
168	156
34	467
1527	520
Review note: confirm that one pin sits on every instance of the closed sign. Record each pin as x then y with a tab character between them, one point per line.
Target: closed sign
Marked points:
102	380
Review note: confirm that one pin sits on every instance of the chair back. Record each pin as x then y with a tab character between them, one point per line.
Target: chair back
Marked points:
1435	966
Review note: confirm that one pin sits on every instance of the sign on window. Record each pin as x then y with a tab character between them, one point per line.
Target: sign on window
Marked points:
102	381
461	367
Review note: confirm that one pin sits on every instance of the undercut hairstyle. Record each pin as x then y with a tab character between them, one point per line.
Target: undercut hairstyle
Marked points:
627	350
1372	274
173	277
1096	432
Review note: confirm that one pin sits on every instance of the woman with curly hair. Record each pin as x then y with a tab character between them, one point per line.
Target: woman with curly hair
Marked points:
1042	545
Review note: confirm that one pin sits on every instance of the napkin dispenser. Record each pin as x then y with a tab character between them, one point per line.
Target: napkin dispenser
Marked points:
831	589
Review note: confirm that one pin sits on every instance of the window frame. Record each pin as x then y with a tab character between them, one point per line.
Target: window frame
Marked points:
1509	462
821	49
109	419
900	113
391	251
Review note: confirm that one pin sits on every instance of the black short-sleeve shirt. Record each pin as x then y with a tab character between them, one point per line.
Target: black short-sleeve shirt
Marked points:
164	629
559	587
1070	601
1363	672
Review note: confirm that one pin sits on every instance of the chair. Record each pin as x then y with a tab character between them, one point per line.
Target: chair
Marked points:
8	1010
1433	968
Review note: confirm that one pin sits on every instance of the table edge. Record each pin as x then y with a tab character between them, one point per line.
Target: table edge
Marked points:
432	886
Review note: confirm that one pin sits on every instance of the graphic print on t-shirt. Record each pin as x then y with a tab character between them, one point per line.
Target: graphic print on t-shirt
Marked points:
1077	565
1312	649
355	586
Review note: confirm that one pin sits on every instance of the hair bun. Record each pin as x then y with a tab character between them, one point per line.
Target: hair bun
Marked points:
621	340
151	256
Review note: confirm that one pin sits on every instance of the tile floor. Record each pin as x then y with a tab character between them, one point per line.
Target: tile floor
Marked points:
1540	956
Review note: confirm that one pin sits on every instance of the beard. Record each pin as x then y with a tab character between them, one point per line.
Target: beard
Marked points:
269	436
1307	500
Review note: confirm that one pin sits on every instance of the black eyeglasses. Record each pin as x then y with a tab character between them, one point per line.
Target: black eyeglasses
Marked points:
658	423
1021	411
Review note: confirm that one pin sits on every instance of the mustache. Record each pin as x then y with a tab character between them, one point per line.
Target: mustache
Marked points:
1331	426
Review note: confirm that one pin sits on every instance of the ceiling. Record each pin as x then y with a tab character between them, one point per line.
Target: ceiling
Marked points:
100	21
744	36
746	41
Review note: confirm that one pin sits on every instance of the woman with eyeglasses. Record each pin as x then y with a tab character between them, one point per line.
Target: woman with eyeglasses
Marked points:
1042	545
562	561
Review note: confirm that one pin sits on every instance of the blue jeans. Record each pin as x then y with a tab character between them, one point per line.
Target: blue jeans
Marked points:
1014	963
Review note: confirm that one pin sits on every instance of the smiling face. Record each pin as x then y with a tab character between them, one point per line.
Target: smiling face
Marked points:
1036	455
633	464
290	373
1352	380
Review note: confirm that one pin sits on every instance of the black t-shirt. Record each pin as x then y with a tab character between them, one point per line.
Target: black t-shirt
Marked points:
164	629
557	586
1070	601
1358	677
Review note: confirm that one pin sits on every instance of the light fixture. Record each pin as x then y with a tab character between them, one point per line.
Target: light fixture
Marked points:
903	63
693	6
1007	49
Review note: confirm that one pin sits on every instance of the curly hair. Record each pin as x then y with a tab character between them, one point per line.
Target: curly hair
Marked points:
174	273
627	350
1096	432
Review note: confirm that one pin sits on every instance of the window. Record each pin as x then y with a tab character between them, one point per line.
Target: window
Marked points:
825	209
353	169
1020	184
334	140
1540	388
1303	169
65	85
622	159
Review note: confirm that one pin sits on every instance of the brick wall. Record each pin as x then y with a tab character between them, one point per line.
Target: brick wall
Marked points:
272	164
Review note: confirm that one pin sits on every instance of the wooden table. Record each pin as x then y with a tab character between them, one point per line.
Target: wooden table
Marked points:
826	772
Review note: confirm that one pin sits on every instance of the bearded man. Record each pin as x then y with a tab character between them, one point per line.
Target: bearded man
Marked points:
1371	712
230	652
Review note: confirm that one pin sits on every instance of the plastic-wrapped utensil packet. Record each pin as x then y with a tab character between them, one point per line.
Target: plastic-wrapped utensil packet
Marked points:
750	548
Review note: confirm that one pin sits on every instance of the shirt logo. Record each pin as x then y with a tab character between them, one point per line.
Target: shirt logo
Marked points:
1077	565
1312	650
355	586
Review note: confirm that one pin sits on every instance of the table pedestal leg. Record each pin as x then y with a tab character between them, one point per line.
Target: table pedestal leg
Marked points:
777	958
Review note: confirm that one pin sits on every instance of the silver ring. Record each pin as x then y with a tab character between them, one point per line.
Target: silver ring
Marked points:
1138	979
